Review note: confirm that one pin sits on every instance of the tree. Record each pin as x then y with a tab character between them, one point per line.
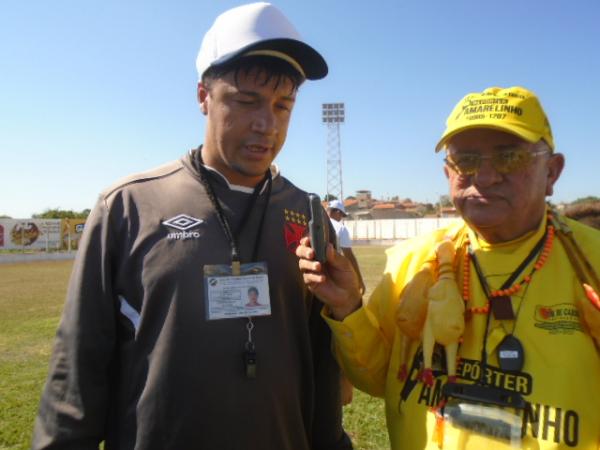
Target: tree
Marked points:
425	209
589	198
329	197
58	213
445	201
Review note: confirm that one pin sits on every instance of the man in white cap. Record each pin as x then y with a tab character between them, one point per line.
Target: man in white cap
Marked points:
511	292
156	348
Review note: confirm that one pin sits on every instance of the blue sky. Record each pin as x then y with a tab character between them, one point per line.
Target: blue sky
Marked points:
93	91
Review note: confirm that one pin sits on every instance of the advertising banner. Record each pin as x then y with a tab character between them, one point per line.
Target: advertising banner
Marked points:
71	233
25	234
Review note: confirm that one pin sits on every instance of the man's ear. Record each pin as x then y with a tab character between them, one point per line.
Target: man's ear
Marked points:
202	95
556	164
446	171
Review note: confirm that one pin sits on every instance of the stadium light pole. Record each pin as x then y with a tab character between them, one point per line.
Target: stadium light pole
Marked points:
333	116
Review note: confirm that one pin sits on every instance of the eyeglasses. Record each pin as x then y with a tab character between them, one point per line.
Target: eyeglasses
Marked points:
503	161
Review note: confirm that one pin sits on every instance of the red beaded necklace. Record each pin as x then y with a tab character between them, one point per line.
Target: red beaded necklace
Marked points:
541	260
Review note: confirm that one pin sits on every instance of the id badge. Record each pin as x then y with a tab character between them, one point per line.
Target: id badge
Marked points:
229	296
489	421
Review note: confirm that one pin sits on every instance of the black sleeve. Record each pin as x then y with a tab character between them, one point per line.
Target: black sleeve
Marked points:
327	430
75	400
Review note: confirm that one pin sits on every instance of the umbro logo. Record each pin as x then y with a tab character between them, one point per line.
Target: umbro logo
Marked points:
184	224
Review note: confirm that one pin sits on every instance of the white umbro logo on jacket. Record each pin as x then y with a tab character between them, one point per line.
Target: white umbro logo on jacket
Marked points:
183	223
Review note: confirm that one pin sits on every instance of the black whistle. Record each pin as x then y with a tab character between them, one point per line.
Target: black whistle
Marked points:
250	363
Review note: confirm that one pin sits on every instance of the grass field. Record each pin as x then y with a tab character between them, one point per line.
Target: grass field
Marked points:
31	299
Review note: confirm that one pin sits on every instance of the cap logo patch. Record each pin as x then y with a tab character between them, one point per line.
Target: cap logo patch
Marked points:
489	106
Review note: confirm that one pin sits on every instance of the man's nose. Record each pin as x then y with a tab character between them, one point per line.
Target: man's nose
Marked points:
264	121
487	174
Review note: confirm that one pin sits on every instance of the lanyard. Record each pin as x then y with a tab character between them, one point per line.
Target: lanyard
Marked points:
486	288
233	238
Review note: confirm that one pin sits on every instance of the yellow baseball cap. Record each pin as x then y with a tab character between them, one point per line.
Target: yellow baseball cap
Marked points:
515	110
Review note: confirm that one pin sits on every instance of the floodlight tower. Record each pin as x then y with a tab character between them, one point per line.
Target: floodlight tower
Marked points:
333	116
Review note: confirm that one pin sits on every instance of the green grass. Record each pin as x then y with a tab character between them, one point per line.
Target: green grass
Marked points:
31	301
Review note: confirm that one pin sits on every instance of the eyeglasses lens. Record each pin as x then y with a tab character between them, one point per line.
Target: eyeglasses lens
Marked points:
503	162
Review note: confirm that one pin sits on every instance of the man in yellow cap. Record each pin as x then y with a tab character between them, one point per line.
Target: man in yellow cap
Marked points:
524	282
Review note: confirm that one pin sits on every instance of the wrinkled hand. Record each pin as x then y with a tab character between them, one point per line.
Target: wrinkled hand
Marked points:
335	282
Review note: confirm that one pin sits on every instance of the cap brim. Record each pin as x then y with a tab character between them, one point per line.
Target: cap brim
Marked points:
344	213
517	131
311	61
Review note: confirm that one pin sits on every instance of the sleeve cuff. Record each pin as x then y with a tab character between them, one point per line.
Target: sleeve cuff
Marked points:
344	331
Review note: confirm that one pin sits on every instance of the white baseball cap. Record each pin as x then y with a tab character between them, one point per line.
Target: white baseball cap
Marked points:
258	29
339	205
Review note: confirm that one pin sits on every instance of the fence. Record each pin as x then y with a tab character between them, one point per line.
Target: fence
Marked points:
394	229
64	234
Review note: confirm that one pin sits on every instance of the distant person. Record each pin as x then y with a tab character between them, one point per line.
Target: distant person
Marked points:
585	212
337	212
151	352
508	293
253	297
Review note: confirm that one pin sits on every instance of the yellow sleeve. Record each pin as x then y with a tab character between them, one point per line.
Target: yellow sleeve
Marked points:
364	340
361	345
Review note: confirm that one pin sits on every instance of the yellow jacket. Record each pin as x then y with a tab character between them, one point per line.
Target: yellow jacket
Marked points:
560	380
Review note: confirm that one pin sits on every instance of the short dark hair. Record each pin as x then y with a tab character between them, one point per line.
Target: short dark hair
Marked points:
252	289
268	66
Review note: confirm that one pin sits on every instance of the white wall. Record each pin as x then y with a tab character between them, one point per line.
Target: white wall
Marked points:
394	229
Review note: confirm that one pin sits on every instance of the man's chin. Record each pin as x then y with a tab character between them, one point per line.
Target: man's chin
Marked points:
484	217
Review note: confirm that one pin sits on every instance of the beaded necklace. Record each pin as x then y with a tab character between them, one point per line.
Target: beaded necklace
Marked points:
541	260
